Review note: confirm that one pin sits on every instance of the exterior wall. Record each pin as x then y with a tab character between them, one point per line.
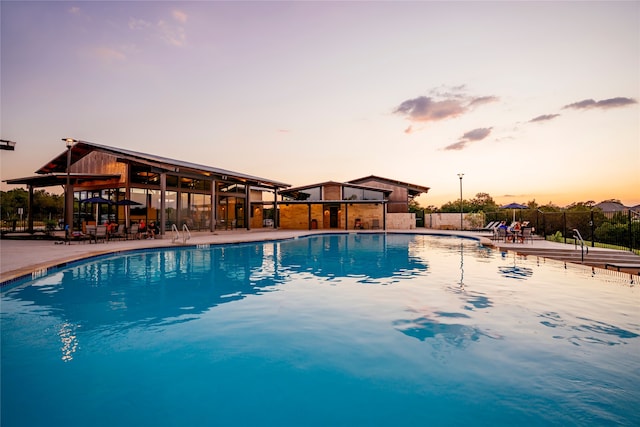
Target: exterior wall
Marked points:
100	163
317	217
398	201
401	221
451	221
294	217
332	192
366	213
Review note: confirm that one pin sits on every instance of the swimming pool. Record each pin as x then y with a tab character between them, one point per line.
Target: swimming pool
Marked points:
348	329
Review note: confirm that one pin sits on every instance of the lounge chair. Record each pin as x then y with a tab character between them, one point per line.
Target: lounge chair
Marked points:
491	225
76	236
375	223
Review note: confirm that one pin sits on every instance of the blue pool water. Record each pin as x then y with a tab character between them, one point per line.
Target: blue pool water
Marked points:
333	330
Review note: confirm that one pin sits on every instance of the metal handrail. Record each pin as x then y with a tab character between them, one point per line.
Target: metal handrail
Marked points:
176	233
578	237
186	234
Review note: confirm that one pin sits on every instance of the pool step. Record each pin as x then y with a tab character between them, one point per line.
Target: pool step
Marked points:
595	258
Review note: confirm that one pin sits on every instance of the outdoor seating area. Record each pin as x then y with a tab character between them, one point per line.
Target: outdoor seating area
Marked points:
104	234
515	233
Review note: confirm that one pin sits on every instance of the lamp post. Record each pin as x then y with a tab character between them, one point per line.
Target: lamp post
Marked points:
68	195
460	175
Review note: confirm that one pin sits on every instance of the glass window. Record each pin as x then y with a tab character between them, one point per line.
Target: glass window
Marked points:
172	181
143	175
350	193
372	195
171	208
313	193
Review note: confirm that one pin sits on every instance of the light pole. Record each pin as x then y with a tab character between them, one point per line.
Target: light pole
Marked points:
460	175
68	195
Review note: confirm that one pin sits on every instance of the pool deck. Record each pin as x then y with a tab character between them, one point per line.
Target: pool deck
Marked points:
20	258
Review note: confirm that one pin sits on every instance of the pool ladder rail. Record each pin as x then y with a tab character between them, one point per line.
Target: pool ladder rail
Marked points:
186	234
578	238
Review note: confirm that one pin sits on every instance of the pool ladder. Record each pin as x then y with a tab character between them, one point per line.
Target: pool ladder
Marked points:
578	238
186	234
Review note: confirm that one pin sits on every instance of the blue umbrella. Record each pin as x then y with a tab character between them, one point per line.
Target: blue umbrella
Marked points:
96	200
127	202
514	206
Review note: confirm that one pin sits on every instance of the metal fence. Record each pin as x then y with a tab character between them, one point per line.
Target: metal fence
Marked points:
40	223
617	229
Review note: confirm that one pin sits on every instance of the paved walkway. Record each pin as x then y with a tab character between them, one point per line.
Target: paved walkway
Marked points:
23	257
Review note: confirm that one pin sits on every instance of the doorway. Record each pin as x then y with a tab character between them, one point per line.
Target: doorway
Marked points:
333	216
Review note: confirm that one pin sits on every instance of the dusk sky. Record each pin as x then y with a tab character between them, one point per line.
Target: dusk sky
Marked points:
530	100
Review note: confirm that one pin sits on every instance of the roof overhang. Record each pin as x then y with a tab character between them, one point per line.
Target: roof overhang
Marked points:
413	189
295	191
82	148
53	179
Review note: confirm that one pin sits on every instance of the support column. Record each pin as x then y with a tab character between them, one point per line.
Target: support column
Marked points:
30	210
247	206
384	216
68	208
163	203
214	207
276	216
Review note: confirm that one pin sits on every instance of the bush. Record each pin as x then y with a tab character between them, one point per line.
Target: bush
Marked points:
557	237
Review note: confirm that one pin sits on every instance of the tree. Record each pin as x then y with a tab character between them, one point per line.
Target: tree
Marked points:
482	202
44	204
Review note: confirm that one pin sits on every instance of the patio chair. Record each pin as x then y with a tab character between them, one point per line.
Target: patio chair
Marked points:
500	234
90	232
101	233
527	235
119	233
375	223
133	231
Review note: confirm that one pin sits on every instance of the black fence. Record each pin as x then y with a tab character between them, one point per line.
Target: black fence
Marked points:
616	229
40	224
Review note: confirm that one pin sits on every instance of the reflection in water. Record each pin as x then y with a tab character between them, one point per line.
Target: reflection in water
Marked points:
316	323
163	286
439	326
461	264
69	340
372	258
591	331
514	271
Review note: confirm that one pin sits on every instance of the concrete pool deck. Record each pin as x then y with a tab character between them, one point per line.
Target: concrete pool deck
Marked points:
21	257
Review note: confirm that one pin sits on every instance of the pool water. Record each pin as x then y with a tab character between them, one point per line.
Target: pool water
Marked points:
329	330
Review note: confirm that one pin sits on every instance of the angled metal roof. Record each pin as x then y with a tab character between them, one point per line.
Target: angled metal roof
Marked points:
411	187
83	148
293	191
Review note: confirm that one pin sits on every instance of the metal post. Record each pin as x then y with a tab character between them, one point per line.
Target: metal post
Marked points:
460	175
68	194
68	210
